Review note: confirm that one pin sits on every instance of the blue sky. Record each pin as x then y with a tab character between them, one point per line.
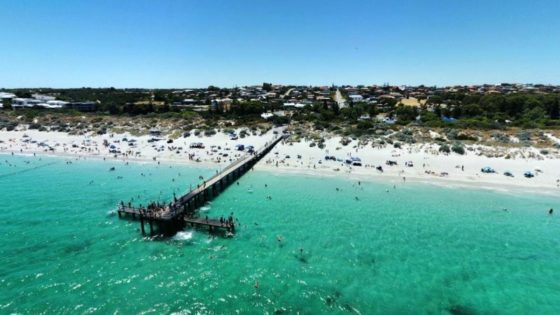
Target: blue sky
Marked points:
159	44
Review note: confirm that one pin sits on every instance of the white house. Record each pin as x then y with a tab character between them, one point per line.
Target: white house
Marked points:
32	102
267	115
364	117
296	105
56	104
356	97
43	98
25	102
5	96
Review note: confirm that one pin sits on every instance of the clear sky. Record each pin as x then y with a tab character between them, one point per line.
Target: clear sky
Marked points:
196	43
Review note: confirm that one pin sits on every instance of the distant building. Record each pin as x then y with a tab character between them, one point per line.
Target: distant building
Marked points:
6	98
4	95
356	97
221	105
364	117
55	104
267	115
296	105
190	101
20	102
49	102
43	98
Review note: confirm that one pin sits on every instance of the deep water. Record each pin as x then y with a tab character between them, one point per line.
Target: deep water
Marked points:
311	245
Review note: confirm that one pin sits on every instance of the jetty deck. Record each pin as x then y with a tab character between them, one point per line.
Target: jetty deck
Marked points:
212	224
182	210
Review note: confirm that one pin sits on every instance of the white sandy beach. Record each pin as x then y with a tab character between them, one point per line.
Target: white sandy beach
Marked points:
429	165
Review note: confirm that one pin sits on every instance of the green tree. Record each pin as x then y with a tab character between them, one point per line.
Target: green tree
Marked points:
472	110
267	87
406	114
555	109
7	104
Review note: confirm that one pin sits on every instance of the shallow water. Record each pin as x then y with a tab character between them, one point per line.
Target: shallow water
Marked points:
364	249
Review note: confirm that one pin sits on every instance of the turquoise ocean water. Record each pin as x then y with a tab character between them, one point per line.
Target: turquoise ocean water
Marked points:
310	249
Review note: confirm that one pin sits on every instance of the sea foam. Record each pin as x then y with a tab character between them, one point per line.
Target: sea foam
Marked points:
183	236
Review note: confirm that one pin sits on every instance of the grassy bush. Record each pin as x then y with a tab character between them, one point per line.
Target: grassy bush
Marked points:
457	148
209	132
444	148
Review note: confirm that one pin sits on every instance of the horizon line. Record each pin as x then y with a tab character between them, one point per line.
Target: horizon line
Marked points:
276	84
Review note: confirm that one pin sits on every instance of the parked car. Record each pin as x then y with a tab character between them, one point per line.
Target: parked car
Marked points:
197	145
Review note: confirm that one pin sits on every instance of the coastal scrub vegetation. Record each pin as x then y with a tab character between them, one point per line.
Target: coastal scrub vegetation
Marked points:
458	113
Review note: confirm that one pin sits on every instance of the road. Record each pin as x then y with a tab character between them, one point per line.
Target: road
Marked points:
340	99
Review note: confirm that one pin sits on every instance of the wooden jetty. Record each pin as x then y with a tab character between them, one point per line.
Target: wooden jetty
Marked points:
211	224
173	216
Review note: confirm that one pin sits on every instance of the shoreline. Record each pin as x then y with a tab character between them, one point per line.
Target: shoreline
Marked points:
288	157
391	180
